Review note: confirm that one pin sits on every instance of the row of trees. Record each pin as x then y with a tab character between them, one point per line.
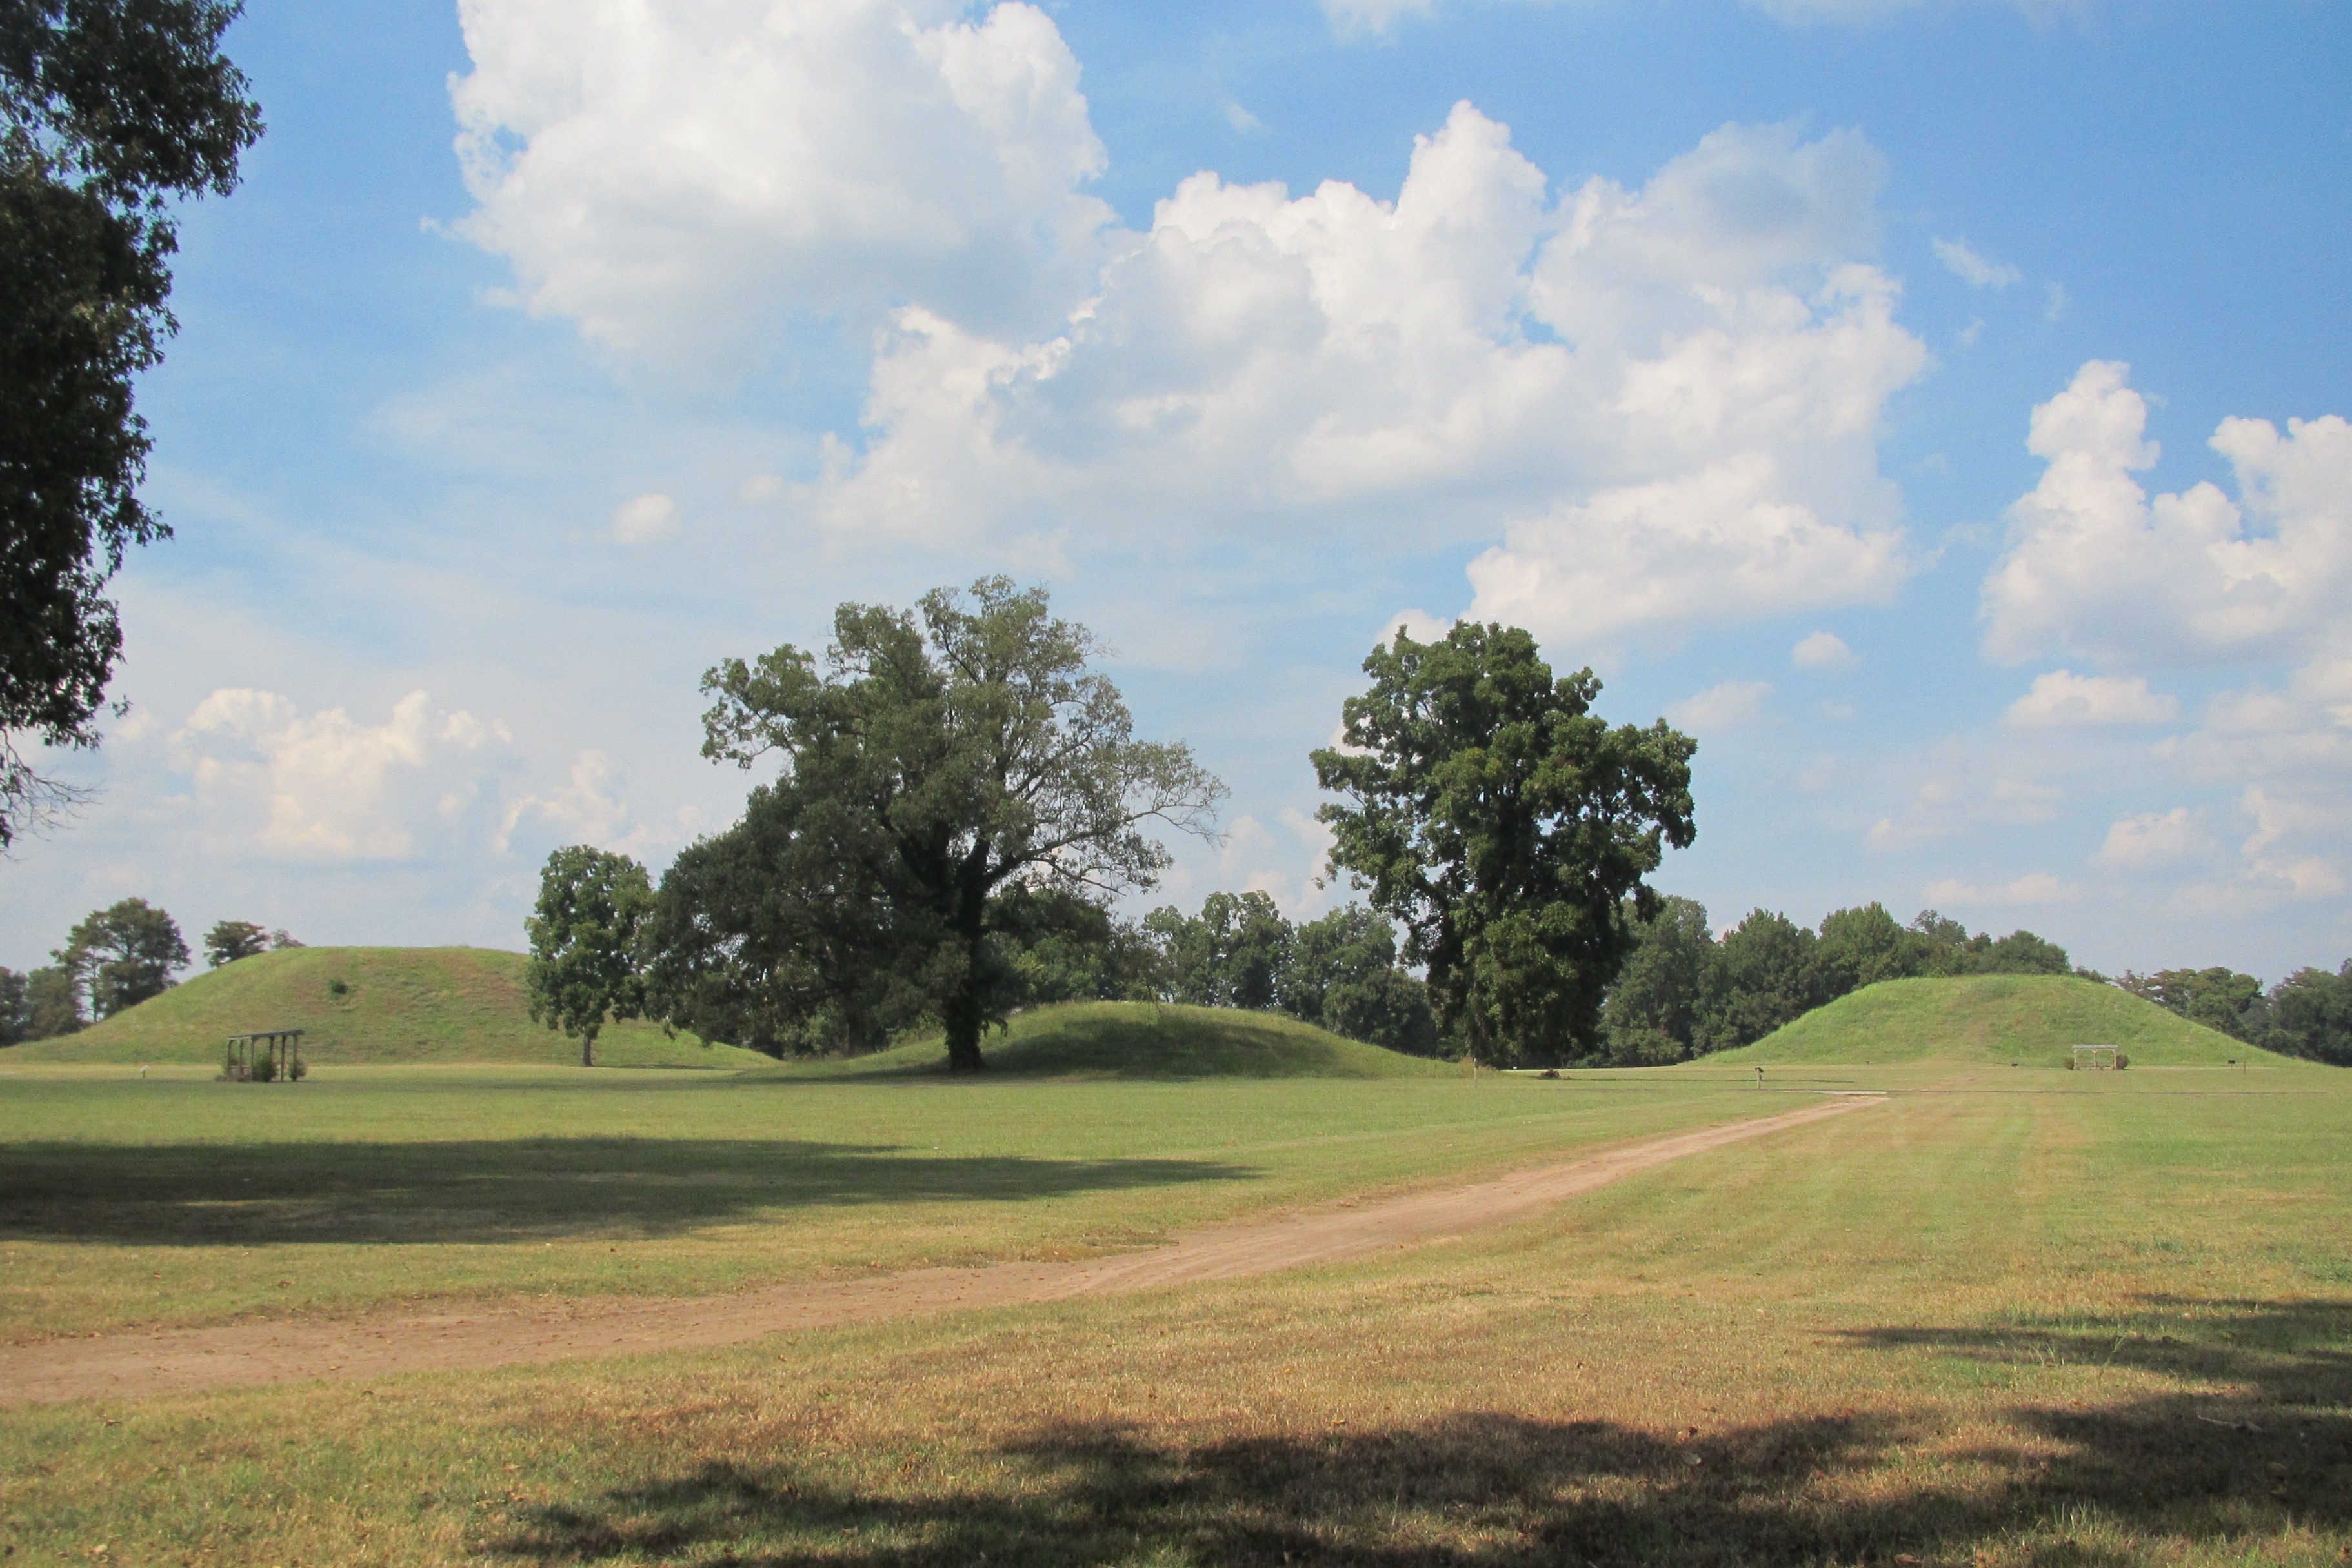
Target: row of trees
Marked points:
962	799
1682	992
116	958
2308	1013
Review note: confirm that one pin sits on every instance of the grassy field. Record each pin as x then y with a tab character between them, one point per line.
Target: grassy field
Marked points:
2013	1317
1992	1020
394	1004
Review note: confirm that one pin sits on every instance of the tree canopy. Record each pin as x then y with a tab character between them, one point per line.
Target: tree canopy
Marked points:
584	942
1505	827
936	763
108	109
120	956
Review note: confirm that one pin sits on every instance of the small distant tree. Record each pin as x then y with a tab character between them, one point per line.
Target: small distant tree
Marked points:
1506	829
280	940
119	957
1863	946
16	1010
585	954
1342	974
229	940
52	1004
2219	998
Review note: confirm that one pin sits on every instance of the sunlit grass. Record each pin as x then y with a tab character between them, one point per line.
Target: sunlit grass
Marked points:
1984	1324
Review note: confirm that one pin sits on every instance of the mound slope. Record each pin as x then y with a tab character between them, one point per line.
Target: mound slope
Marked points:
1994	1020
1146	1040
397	1005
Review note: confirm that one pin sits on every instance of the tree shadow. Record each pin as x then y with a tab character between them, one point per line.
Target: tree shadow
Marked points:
1481	1490
255	1195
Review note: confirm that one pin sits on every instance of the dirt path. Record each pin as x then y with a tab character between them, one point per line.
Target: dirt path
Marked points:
380	1345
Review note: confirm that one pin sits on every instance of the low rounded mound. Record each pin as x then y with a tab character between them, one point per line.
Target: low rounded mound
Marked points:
2034	1020
1144	1040
361	1005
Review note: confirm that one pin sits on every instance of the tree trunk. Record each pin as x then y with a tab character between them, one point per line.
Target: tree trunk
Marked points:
963	1024
588	1049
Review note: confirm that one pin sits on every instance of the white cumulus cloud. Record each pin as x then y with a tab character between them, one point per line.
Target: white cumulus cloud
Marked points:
1972	268
684	180
2034	888
2152	839
1719	708
1823	650
2062	697
324	786
2096	567
645	519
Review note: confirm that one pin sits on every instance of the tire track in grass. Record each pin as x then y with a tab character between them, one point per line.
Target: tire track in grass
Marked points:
385	1344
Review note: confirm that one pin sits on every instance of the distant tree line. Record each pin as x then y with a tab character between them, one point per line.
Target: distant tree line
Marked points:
115	958
2308	1013
1684	993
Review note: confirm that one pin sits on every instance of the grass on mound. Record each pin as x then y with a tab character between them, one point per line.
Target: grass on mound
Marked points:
395	1004
1149	1040
1993	1020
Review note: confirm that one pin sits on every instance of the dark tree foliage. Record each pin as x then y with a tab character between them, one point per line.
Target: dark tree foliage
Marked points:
1764	975
932	764
2309	1015
110	108
52	1004
1232	954
1507	830
585	943
2219	998
1058	947
16	1008
119	957
229	940
1655	1008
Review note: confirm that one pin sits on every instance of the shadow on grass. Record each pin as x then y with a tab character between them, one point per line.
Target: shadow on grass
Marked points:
1145	1042
1478	1490
265	1194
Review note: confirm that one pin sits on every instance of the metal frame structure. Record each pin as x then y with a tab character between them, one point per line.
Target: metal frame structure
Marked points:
2097	1059
281	1048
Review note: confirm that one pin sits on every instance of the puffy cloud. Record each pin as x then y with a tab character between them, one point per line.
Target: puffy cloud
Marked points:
1718	708
1974	270
1965	791
1286	867
2152	839
322	786
2035	888
646	520
2096	568
2063	698
684	180
1676	401
1823	650
587	808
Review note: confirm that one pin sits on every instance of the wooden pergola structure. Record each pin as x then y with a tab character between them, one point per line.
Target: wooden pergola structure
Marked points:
280	1048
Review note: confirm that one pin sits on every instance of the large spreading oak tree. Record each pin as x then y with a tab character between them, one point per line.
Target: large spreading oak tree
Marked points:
109	111
1506	829
942	767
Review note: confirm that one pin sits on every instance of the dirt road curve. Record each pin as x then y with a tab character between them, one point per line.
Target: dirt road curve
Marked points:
363	1348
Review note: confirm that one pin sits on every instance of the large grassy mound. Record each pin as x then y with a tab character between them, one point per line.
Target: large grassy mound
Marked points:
1147	1040
2035	1020
395	1004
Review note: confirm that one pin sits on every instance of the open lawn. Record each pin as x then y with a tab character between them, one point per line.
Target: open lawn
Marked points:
2011	1317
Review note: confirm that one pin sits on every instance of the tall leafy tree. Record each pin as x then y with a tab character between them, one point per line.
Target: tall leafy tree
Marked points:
16	1008
120	956
1764	975
933	762
1232	954
584	953
52	1004
1506	829
2309	1014
109	110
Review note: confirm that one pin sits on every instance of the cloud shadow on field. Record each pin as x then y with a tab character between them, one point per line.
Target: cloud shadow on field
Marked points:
255	1195
2080	1487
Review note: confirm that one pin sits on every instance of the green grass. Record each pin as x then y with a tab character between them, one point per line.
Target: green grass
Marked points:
1991	1020
176	1199
397	1005
2017	1321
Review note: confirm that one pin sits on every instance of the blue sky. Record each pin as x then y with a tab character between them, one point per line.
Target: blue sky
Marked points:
1938	408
